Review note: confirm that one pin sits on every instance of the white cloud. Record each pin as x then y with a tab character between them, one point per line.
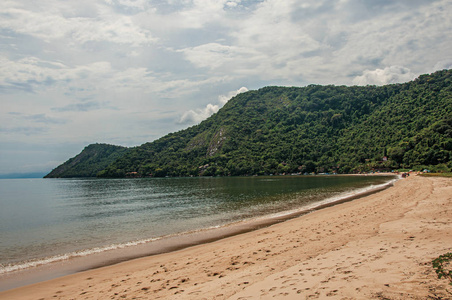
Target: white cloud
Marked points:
202	12
51	25
212	55
223	99
443	64
200	114
31	73
388	75
138	4
263	45
300	42
232	3
196	116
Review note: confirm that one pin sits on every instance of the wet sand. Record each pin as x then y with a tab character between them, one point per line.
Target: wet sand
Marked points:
380	246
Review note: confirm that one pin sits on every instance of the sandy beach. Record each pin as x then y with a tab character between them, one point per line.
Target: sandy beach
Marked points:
377	247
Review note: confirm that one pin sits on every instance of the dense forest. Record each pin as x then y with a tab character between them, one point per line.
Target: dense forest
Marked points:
89	162
335	129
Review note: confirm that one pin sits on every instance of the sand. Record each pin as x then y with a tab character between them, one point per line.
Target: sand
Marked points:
377	247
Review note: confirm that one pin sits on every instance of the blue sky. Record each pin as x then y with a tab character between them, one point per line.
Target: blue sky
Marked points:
127	72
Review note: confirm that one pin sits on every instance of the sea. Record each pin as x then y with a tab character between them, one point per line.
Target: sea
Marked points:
55	227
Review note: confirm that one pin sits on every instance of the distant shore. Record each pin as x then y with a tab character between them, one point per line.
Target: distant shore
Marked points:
380	245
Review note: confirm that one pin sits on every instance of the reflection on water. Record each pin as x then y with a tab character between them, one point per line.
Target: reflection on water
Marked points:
41	218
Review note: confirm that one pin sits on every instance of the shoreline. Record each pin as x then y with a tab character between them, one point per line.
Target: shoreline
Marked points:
167	244
378	246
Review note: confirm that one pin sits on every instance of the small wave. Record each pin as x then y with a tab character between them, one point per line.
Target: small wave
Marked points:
66	256
8	268
332	200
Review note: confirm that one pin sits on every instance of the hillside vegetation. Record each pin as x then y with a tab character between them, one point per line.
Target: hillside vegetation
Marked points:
314	128
89	162
276	130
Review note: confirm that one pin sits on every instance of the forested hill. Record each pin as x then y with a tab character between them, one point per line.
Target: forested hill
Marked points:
309	129
313	128
89	162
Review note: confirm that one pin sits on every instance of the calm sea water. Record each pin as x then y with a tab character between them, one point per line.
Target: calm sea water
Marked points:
45	220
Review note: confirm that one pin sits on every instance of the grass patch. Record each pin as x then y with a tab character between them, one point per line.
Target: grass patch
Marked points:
436	174
443	266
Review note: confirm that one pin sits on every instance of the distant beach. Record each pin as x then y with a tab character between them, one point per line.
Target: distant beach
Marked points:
378	246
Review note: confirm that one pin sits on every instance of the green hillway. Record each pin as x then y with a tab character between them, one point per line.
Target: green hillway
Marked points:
283	130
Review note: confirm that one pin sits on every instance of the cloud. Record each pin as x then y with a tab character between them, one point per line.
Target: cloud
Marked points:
31	72
84	106
200	114
196	116
298	42
443	64
202	12
261	44
23	130
129	5
89	81
388	75
233	3
21	124
36	118
50	23
223	99
211	55
43	118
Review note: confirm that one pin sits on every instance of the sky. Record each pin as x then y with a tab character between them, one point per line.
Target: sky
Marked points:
126	72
